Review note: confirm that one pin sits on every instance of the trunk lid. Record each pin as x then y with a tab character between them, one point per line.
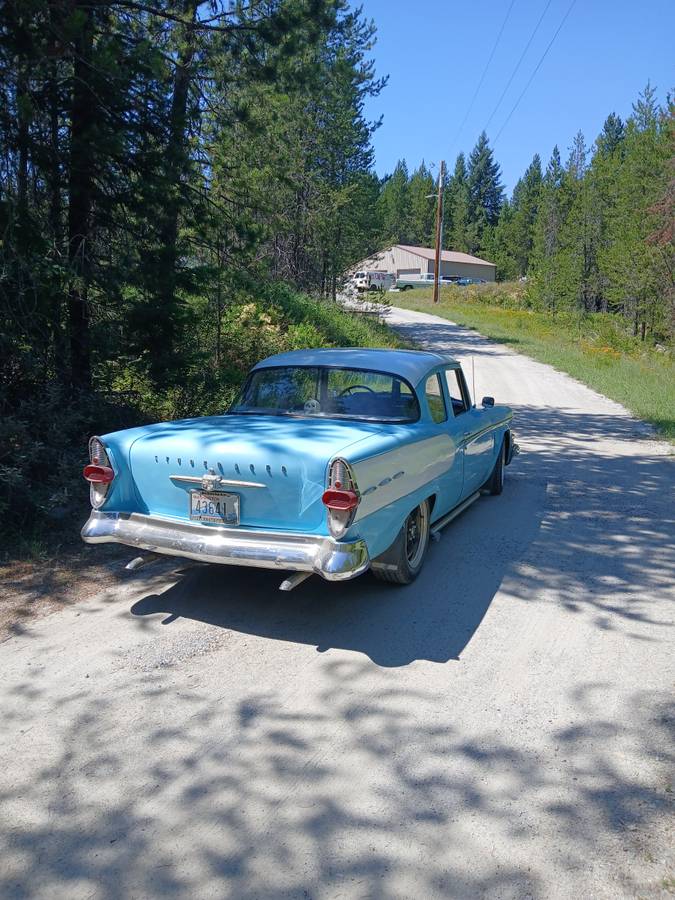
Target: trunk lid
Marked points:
288	456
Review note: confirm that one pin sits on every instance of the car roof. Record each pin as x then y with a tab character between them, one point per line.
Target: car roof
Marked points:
409	364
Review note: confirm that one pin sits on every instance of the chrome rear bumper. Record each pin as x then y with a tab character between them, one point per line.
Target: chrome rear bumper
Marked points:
331	559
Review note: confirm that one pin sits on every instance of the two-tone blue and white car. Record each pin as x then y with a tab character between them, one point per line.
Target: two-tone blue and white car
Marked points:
330	462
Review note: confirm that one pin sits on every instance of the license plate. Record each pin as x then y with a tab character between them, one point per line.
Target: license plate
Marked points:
214	506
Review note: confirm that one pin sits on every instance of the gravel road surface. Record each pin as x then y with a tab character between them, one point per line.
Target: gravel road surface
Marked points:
500	729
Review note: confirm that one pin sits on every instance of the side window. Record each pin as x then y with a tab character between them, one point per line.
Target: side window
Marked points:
458	398
435	399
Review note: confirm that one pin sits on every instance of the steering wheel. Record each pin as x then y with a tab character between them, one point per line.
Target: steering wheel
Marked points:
356	387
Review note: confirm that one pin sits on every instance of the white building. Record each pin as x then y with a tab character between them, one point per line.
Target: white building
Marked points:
401	259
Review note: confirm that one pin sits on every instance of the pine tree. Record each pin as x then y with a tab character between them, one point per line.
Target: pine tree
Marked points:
498	244
662	237
613	133
646	111
421	189
577	161
578	285
525	206
638	272
394	207
457	204
486	192
545	268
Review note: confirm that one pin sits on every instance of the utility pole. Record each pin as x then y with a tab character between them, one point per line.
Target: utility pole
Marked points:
439	230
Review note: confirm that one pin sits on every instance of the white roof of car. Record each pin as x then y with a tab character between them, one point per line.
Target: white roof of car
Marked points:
409	364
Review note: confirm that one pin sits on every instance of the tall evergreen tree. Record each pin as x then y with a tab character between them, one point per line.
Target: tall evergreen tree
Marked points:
457	203
510	243
486	193
639	272
394	207
580	285
421	189
613	132
123	191
544	261
498	244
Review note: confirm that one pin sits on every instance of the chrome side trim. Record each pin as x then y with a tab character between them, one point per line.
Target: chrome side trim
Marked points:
476	434
437	526
333	560
230	482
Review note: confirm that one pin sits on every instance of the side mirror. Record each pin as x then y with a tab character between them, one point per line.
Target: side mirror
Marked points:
487	401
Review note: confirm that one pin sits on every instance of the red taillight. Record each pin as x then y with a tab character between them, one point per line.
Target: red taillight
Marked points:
343	500
98	474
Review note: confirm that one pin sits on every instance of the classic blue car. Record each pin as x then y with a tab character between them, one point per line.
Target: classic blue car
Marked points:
330	462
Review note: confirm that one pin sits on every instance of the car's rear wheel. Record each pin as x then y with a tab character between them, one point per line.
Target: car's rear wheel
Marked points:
495	483
403	561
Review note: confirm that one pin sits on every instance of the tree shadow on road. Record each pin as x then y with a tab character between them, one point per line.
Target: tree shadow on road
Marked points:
352	787
356	779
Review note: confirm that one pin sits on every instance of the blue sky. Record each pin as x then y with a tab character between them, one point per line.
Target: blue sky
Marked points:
434	53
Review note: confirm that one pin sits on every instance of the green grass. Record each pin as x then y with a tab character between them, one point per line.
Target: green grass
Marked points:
310	322
595	349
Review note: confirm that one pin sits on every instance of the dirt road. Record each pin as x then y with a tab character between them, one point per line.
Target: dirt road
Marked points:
500	729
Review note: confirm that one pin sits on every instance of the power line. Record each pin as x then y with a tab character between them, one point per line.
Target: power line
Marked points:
482	77
517	66
536	69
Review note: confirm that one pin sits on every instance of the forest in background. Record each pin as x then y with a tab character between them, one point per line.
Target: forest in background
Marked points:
166	169
591	234
183	184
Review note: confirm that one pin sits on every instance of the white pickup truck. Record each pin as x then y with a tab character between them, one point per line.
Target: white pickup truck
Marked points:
372	281
408	282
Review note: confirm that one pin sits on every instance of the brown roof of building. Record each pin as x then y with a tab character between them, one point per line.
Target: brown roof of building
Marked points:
446	255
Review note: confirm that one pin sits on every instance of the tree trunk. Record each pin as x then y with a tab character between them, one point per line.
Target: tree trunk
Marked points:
176	166
80	186
22	102
219	306
324	274
55	221
22	59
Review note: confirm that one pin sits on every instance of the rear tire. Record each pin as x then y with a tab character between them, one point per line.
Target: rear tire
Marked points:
495	483
403	561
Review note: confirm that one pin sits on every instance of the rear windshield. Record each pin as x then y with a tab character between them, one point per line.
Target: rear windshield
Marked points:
334	393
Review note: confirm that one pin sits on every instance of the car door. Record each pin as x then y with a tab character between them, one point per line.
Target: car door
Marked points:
451	480
474	432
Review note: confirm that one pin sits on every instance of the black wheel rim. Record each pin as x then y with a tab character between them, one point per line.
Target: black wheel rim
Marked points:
415	535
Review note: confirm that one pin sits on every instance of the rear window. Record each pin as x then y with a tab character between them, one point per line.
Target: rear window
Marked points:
341	393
